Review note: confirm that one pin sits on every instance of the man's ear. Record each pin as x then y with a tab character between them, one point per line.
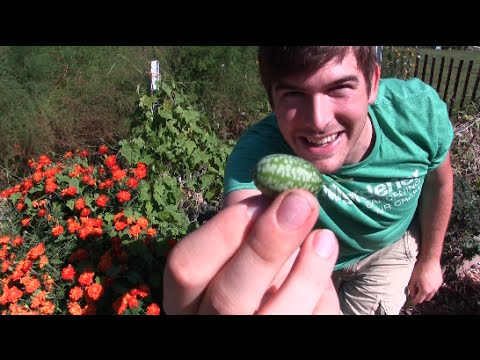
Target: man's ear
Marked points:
374	88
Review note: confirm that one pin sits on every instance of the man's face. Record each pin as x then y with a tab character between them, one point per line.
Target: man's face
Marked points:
323	116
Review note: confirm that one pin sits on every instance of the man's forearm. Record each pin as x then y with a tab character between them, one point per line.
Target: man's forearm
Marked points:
435	210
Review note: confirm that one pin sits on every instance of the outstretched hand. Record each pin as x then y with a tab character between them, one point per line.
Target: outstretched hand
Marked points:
255	257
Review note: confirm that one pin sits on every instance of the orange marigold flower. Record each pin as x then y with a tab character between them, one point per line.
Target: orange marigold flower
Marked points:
119	174
43	261
74	308
50	173
84	232
151	231
102	200
143	223
42	212
24	265
153	309
132	301
110	161
102	149
80	203
135	230
132	183
57	230
47	281
75	293
143	291
68	155
73	226
86	278
68	273
97	222
5	266
141	170
4	252
20	206
120	225
85	212
32	286
17	241
96	232
47	308
94	291
14	294
4	239
37	176
84	153
70	191
51	187
44	160
123	196
120	305
38	299
26	221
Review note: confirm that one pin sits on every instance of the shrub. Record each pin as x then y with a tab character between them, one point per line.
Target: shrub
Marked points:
399	63
80	243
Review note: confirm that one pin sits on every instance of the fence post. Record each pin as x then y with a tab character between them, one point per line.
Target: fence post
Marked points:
154	75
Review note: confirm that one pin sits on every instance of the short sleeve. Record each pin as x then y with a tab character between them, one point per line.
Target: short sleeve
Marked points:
261	139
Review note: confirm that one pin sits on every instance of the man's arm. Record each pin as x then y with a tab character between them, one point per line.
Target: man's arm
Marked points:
435	210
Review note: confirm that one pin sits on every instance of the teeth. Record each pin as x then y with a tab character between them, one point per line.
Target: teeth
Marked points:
322	141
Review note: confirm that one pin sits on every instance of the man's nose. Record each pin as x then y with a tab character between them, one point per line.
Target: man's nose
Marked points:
320	112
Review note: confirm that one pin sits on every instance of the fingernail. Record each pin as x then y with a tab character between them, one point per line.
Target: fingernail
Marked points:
324	243
293	212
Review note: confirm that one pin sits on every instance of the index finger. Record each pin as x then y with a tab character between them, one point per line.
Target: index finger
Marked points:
198	257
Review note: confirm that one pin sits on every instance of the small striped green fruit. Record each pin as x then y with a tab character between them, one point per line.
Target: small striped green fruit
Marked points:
276	173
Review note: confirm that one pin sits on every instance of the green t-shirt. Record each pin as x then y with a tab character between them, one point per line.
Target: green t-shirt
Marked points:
368	205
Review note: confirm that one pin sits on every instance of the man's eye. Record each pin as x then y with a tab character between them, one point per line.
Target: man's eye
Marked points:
293	93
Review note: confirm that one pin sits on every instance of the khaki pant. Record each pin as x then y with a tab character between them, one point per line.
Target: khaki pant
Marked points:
378	283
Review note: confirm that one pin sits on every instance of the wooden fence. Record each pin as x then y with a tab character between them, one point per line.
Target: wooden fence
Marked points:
459	88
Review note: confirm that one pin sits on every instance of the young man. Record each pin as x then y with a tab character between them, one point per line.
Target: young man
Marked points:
383	149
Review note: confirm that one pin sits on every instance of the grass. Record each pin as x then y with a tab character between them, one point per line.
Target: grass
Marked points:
457	56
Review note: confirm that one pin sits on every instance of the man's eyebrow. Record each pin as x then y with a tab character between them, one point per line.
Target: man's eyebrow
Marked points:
285	85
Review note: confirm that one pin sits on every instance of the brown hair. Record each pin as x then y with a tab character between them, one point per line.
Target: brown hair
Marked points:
276	62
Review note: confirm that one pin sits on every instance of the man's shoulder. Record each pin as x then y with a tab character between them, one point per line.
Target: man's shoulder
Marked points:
393	90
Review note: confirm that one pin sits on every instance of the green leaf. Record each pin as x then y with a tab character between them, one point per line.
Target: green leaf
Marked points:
14	197
149	207
70	204
55	261
128	213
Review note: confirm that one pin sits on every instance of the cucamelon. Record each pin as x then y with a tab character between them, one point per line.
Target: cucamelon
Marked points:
276	173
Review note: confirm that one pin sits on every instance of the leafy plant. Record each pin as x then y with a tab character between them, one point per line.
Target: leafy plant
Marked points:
399	63
79	242
184	155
